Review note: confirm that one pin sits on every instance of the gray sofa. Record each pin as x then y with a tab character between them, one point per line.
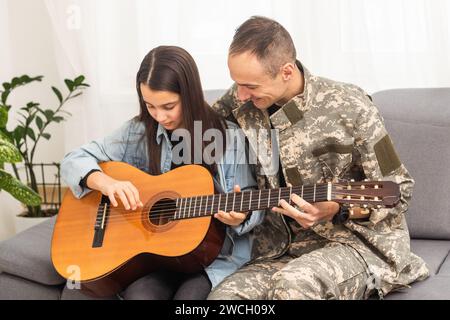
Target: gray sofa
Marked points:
419	123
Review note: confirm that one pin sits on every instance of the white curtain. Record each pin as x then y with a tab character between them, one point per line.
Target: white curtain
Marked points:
376	44
5	54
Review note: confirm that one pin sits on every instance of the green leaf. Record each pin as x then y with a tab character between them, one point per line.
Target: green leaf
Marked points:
19	134
7	86
30	119
31	134
46	136
5	134
8	152
58	94
5	95
39	123
3	117
69	84
31	105
20	81
79	80
49	114
15	82
18	190
25	79
58	119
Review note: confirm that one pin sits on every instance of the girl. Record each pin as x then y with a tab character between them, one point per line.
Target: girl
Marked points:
171	98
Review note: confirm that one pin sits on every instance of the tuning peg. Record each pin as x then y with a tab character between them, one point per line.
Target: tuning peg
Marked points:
376	199
376	187
363	187
362	198
352	180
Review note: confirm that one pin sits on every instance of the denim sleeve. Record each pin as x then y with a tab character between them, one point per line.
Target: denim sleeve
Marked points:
246	181
239	172
79	162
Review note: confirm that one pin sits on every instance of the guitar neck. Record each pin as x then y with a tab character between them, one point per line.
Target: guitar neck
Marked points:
202	206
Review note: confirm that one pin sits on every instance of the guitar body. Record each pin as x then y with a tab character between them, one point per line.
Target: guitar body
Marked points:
134	243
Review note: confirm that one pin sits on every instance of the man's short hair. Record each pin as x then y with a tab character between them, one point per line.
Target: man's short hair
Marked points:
268	40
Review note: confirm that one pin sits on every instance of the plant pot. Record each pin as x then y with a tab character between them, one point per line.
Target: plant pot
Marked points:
23	222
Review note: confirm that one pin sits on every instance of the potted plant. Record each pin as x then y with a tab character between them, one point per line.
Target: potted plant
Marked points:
25	136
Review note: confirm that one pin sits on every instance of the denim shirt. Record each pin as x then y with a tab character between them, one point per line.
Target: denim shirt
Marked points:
126	145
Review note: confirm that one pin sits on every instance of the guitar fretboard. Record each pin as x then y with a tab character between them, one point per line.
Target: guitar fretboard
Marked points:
201	206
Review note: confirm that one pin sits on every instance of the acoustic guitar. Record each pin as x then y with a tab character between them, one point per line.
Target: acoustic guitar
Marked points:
105	248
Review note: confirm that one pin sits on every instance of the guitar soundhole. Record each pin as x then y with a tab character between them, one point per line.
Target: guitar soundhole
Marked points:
162	212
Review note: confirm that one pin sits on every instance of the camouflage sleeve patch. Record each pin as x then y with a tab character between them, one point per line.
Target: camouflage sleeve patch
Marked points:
387	157
293	176
336	148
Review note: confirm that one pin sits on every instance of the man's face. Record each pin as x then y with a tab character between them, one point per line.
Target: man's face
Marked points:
253	81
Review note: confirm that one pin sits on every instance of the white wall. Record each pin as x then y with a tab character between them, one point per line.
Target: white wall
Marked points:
29	51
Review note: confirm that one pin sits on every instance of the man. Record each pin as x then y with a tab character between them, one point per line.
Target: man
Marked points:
327	131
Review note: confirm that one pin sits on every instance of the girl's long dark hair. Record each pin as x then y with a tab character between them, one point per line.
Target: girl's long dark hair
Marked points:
170	68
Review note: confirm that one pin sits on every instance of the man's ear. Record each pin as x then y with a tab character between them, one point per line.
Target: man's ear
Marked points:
287	71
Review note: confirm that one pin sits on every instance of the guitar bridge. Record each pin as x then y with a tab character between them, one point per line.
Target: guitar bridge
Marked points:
101	222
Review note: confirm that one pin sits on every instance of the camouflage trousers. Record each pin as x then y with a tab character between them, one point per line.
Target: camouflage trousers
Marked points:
313	268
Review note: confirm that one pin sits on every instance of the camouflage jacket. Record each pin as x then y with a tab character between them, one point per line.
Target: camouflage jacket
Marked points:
332	131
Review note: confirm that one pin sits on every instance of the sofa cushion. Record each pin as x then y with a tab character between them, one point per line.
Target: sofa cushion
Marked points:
437	286
69	294
418	121
444	269
434	252
16	288
27	255
434	288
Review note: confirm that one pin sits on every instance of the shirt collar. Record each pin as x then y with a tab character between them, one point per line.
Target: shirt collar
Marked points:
292	111
160	133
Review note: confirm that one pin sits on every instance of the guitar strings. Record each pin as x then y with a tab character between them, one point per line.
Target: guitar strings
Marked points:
168	212
158	206
162	205
168	204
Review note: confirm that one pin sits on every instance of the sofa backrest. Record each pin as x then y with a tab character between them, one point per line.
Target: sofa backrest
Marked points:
212	95
418	121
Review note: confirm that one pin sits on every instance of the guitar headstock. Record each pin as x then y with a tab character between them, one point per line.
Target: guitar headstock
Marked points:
367	194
